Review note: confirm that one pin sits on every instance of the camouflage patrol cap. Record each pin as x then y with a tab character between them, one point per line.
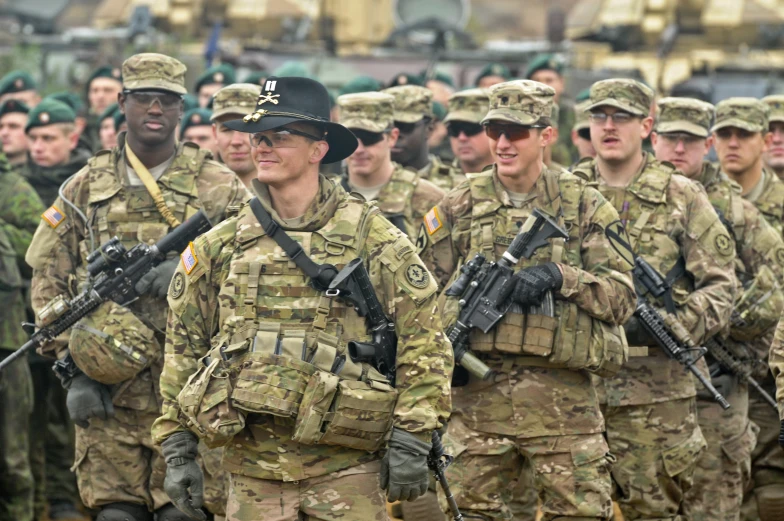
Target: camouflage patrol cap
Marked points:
49	112
745	113
412	103
237	99
624	94
522	102
688	115
154	71
371	111
469	105
581	120
16	81
776	104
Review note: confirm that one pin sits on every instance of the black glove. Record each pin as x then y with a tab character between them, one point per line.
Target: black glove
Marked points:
184	482
404	472
87	399
781	435
636	334
534	282
156	281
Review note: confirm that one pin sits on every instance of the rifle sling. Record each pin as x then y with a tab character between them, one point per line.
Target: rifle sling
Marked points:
321	275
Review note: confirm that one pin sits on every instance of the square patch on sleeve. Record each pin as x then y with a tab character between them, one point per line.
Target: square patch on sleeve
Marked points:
433	221
53	216
189	260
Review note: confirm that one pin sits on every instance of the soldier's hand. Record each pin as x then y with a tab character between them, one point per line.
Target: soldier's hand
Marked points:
534	282
724	383
184	482
87	399
404	472
156	281
636	334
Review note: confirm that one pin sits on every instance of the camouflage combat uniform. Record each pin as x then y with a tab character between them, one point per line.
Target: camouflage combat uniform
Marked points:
541	405
470	106
406	197
651	409
764	499
20	209
116	460
724	468
776	104
273	476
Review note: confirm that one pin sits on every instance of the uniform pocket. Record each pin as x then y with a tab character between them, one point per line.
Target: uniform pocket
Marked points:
738	449
682	456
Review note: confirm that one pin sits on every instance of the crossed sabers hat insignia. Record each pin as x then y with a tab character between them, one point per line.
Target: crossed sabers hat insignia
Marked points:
264	98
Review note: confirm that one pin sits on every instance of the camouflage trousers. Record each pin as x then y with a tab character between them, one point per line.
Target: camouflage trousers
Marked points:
657	446
524	499
16	405
724	468
570	473
764	498
351	494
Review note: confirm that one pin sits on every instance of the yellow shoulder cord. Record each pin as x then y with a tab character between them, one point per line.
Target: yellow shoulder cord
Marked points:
152	187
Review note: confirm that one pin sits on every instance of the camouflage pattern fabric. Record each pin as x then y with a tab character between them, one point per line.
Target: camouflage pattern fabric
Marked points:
445	177
47	180
347	494
412	103
370	111
745	113
564	152
470	105
154	71
684	115
521	102
581	119
216	289
238	98
524	501
776	105
624	94
57	255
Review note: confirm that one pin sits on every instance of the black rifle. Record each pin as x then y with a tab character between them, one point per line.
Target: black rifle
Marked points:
668	332
114	272
484	288
352	283
737	364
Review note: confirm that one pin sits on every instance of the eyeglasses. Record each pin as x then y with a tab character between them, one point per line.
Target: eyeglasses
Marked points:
512	132
673	138
584	133
619	118
407	128
728	132
368	138
166	100
283	138
469	129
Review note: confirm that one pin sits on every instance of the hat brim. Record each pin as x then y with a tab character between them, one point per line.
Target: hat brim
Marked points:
342	142
618	105
777	119
155	85
510	116
408	117
682	126
581	125
738	123
367	125
463	115
231	111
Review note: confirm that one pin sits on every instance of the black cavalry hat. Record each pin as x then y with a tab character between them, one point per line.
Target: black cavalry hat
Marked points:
287	100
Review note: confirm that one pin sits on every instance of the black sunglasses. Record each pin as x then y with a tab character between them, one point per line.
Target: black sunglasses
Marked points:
407	128
454	128
366	137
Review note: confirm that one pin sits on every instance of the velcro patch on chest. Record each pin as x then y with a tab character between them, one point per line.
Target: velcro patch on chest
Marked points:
189	260
53	216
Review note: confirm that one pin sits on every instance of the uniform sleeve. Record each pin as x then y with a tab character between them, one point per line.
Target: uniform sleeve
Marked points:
54	257
424	355
436	242
603	286
219	188
191	323
709	253
20	218
777	365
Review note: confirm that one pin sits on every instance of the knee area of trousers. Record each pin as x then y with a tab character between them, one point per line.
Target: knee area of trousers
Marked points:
124	512
171	513
770	502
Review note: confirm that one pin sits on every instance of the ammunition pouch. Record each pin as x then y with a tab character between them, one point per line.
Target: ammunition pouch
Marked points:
111	345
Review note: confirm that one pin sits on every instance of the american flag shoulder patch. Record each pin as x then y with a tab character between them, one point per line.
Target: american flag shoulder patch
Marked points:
189	260
53	216
433	221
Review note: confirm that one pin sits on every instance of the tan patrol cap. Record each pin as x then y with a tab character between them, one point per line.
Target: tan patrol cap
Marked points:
688	115
776	104
370	111
235	99
470	105
151	70
749	114
622	93
412	103
581	119
522	102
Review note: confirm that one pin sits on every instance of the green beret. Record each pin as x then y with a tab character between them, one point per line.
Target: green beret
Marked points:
119	119
113	73
189	101
70	99
583	95
360	84
544	62
257	77
294	69
223	74
405	78
109	111
440	76
16	81
439	111
49	112
12	105
494	69
195	118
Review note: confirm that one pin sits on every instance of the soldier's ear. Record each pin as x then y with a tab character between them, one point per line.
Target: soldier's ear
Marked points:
767	137
319	150
647	126
394	134
121	101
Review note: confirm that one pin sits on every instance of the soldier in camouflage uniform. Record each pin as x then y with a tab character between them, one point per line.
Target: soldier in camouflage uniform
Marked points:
467	108
541	405
581	131
119	470
651	408
401	194
683	137
20	209
414	121
741	136
281	467
232	102
774	154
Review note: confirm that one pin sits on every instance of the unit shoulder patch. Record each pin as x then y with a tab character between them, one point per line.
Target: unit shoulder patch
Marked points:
53	216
